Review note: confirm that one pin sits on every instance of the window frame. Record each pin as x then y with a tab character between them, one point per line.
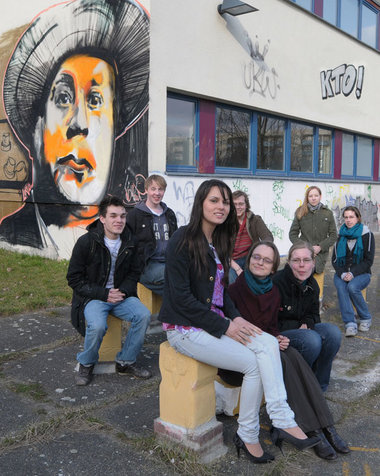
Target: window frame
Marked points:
185	168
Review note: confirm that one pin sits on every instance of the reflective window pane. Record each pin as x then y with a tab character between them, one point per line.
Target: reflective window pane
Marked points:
347	154
324	151
180	132
364	157
369	22
307	4
301	159
270	143
349	16
232	138
330	10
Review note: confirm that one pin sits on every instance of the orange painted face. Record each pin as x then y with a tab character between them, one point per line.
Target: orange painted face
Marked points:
78	131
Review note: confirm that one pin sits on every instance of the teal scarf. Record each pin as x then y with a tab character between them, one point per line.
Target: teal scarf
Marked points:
258	286
350	234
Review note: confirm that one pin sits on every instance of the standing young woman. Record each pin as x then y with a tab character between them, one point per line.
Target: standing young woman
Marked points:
202	322
352	259
314	222
318	342
258	301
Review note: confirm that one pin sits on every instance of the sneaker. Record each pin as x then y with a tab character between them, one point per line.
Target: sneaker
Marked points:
84	376
134	370
351	331
364	326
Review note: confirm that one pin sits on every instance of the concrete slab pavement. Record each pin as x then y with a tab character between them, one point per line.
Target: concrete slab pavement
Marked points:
48	426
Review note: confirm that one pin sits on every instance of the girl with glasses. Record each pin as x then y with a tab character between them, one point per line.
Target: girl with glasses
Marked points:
298	319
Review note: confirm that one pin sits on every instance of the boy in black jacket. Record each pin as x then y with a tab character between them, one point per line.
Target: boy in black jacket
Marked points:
103	273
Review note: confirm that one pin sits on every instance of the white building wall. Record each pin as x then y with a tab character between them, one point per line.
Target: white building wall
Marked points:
195	51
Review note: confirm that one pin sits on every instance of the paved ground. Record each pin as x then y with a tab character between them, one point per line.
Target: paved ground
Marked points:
48	426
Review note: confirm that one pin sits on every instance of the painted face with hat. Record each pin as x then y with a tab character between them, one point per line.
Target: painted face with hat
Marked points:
75	83
78	128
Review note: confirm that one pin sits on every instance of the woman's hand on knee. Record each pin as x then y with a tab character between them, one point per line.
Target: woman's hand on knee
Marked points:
241	330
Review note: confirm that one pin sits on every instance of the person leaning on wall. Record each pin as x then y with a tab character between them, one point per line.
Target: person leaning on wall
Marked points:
314	222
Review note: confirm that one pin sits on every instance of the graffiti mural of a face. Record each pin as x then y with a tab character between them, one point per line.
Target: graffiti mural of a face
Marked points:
78	133
76	92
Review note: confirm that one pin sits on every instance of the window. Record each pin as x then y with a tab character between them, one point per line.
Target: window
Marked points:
301	153
358	18
306	4
180	142
357	156
324	151
369	26
232	138
349	14
240	141
347	154
364	157
330	11
270	143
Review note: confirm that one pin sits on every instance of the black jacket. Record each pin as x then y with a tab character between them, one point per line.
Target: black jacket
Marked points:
141	224
357	268
187	296
89	269
299	302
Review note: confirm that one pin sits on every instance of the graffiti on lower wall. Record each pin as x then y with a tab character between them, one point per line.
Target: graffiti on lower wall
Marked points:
82	126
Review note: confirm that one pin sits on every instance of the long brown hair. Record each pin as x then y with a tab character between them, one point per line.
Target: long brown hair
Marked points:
223	235
303	209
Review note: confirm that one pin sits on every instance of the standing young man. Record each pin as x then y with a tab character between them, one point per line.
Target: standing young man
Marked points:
103	273
153	223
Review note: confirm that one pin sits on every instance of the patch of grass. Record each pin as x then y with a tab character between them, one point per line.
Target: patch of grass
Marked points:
30	282
31	390
181	460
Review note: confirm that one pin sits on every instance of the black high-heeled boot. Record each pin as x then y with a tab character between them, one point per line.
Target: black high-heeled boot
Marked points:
323	449
335	440
240	445
278	436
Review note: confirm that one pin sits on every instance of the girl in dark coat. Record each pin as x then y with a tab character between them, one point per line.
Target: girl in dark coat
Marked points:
259	301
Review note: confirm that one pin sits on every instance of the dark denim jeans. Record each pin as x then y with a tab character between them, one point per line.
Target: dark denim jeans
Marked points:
318	347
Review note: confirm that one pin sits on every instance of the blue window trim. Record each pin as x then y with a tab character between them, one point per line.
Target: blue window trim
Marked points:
252	169
187	168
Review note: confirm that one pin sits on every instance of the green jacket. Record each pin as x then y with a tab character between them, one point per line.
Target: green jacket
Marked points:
318	228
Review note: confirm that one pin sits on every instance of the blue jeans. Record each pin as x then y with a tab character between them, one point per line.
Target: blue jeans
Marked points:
153	276
260	363
350	292
318	347
232	275
96	313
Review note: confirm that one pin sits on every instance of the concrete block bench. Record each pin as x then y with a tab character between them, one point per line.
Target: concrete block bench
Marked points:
187	405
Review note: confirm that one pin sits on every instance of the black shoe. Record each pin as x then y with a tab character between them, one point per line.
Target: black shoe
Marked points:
335	440
134	370
84	376
278	436
240	445
323	449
